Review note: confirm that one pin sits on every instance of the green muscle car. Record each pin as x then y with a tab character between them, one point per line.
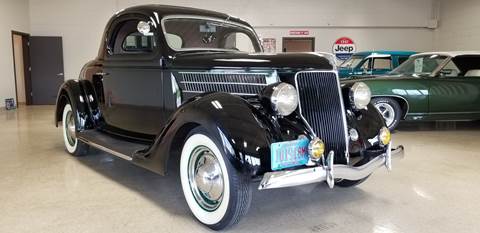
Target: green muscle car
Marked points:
428	87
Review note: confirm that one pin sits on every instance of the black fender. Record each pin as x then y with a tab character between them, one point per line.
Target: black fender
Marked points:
245	132
368	123
81	95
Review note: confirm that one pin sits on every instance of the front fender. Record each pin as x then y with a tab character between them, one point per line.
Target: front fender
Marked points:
243	131
368	123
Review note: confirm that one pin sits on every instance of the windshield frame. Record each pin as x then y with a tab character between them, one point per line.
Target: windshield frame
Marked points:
256	43
430	74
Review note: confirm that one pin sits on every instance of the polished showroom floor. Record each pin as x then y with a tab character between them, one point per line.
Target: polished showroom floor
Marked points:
435	188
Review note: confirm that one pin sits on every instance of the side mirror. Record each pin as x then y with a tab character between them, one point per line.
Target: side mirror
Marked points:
144	28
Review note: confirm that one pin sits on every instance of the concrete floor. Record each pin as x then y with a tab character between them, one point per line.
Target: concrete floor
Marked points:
43	189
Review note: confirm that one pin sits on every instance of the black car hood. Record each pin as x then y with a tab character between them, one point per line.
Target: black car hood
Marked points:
210	60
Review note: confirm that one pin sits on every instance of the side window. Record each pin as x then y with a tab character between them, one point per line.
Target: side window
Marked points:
127	40
239	41
136	42
383	63
450	70
402	59
366	64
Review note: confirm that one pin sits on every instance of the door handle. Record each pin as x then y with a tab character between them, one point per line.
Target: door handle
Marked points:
102	73
60	74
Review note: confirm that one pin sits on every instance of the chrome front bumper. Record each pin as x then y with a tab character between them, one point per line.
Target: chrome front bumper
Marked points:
329	172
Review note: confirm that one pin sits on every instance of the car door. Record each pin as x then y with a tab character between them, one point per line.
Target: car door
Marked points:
452	95
133	80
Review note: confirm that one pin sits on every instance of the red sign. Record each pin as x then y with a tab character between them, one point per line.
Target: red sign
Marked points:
299	33
343	48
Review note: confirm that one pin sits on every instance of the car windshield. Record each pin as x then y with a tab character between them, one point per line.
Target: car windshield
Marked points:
209	34
420	65
352	62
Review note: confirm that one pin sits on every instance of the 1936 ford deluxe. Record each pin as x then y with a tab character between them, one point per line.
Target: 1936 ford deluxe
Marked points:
174	82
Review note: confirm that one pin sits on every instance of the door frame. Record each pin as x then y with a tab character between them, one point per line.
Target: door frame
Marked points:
298	38
26	66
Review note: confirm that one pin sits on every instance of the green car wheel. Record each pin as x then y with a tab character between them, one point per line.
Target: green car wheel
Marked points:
390	110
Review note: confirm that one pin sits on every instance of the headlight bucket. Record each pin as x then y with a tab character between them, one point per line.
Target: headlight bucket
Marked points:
281	97
360	95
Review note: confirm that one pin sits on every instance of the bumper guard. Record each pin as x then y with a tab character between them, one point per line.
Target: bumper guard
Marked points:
329	172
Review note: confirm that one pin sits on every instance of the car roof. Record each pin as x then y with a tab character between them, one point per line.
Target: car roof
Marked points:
386	52
450	53
161	11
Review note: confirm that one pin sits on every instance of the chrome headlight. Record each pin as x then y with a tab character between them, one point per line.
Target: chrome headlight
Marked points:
284	99
360	95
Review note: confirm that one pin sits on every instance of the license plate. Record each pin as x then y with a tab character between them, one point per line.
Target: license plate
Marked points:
289	154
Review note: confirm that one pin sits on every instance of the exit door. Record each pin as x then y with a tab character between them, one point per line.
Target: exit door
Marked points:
301	44
46	61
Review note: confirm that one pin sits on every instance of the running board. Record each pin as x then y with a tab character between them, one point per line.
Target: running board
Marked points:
111	144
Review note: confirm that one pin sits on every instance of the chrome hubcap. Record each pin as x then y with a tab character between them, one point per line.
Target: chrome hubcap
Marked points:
205	178
70	128
387	112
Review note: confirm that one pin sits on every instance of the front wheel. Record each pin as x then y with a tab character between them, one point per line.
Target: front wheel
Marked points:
216	193
72	144
390	111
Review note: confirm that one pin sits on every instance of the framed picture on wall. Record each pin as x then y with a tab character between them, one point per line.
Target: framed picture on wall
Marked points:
269	45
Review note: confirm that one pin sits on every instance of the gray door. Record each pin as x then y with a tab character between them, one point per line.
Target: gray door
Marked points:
46	61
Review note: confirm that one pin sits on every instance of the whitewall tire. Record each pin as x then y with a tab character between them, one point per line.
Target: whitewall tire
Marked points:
72	144
215	192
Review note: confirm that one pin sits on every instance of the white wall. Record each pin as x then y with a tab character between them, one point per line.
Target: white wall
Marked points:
80	23
13	16
372	24
459	27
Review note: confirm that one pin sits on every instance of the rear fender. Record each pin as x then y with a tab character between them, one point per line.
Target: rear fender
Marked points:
80	94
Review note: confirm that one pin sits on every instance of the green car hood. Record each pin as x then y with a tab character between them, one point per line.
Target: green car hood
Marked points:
366	79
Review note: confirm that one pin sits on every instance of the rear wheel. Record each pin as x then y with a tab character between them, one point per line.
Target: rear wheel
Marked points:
72	144
390	110
216	193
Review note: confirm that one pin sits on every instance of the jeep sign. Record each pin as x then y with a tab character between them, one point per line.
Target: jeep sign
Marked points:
343	48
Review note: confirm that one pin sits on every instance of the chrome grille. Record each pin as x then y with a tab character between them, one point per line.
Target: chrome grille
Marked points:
321	105
234	83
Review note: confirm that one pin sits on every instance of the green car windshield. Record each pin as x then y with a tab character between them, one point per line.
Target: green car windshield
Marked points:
352	62
420	65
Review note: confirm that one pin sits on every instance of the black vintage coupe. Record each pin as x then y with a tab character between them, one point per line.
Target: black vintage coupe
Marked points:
174	82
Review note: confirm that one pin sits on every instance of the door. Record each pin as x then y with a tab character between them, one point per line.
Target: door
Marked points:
302	44
21	63
453	95
46	61
132	82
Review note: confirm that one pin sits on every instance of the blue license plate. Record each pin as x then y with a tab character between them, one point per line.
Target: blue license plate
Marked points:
289	154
